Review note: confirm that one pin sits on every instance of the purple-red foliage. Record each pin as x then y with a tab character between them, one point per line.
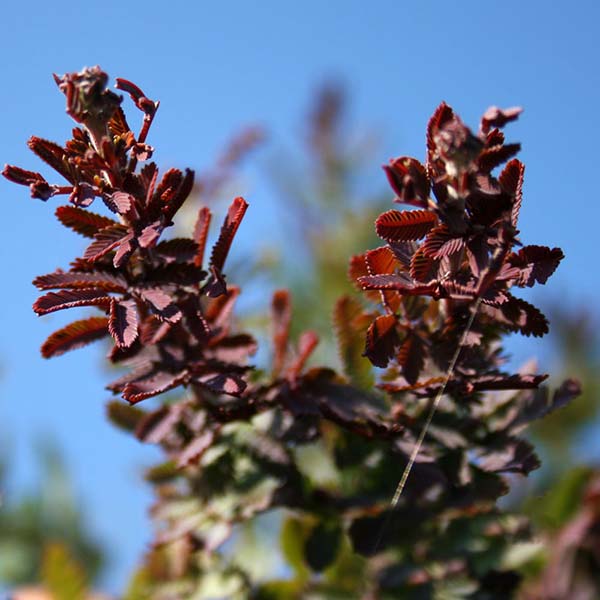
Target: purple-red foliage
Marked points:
467	221
169	313
155	293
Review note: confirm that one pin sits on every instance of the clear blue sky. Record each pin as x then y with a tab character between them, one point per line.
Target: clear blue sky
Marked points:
218	66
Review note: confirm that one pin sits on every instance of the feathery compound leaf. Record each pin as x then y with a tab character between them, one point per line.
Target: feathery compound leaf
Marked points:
518	315
105	240
123	323
382	261
54	301
152	386
396	225
535	264
229	228
511	180
53	155
408	179
175	200
83	221
442	115
494	156
411	357
440	242
162	304
201	233
351	325
422	268
75	335
401	283
74	280
179	250
382	340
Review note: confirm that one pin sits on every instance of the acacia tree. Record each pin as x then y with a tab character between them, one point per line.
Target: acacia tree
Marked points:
320	450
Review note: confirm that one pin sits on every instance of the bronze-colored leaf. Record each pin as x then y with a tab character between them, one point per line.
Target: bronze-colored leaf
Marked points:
382	340
75	335
396	225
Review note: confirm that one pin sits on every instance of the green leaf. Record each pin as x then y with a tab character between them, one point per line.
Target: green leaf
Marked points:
293	533
351	325
61	575
322	545
139	586
123	415
279	590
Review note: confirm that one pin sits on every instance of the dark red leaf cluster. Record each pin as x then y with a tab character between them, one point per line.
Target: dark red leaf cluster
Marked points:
155	293
467	221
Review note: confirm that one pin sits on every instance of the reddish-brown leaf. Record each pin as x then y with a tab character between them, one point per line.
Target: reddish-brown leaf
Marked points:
494	156
141	389
411	357
75	335
442	115
440	242
518	315
141	101
177	250
382	261
118	124
396	225
498	117
422	268
124	250
401	283
518	381
228	230
517	456
233	349
123	323
382	340
54	301
150	234
123	204
73	280
201	234
511	180
153	330
174	200
53	155
223	383
404	251
281	312
409	180
306	344
104	241
83	221
161	303
21	176
535	264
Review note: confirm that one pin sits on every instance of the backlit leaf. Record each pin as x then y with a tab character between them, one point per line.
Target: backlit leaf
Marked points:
83	221
123	323
396	225
382	340
75	335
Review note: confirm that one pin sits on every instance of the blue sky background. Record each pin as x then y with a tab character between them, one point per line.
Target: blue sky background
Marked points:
218	66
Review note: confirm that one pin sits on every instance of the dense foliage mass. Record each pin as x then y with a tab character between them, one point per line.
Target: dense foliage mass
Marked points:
317	452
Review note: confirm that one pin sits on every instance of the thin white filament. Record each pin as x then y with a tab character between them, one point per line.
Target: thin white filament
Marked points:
432	410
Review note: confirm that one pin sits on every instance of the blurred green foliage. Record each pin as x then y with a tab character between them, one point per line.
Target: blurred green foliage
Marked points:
49	517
